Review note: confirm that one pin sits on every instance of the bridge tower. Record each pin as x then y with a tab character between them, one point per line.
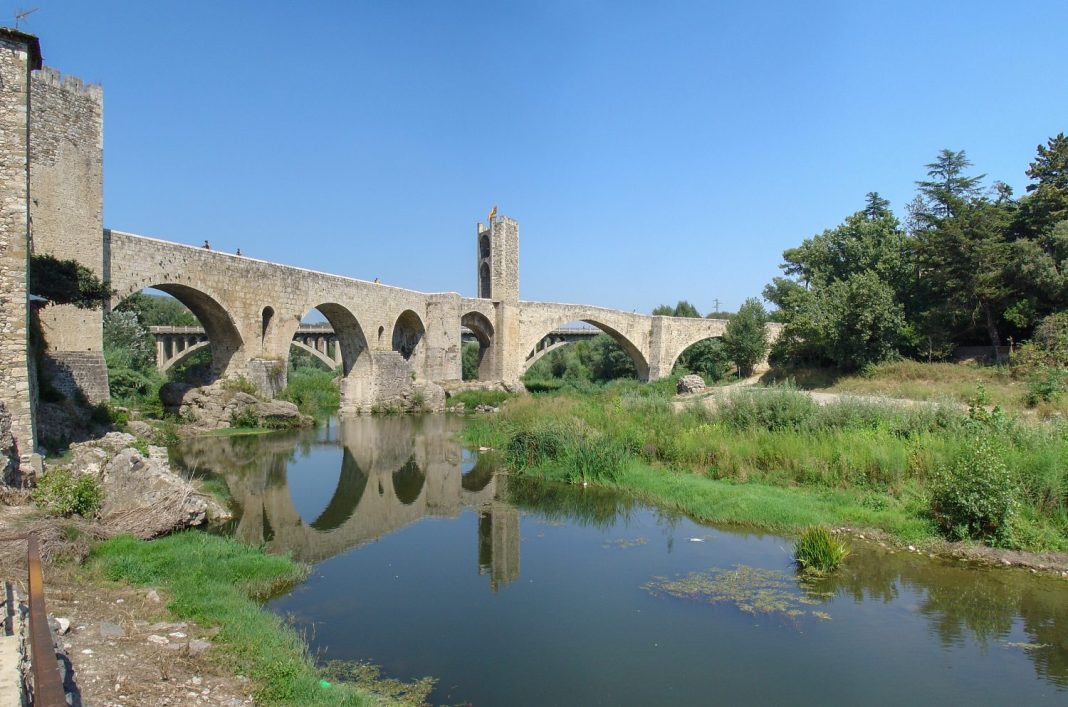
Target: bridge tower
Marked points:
498	260
66	217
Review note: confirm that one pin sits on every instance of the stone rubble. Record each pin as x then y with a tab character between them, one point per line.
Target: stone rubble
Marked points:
142	495
216	406
691	383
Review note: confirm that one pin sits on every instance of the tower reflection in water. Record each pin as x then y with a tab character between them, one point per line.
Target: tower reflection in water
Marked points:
393	472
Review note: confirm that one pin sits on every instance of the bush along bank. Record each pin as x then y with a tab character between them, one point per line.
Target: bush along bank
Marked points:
774	459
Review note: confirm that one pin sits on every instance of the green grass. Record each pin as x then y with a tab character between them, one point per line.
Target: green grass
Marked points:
754	504
216	581
818	551
313	390
772	459
473	398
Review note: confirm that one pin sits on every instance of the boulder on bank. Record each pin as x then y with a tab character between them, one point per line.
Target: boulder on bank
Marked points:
142	495
217	406
691	383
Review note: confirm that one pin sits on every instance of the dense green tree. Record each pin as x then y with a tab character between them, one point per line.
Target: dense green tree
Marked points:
66	282
864	322
158	310
973	264
682	309
606	360
708	358
1040	238
868	255
469	361
127	344
964	252
1046	203
946	187
746	339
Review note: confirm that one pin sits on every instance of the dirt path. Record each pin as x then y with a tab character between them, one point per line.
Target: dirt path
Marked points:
125	649
710	397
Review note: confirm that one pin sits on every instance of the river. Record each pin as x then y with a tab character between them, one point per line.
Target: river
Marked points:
428	561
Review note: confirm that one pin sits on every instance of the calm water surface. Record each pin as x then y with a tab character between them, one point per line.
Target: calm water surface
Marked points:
427	562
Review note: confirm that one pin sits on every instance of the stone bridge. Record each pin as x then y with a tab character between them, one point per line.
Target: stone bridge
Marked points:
388	339
383	337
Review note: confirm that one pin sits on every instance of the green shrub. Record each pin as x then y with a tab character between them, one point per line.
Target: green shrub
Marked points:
473	398
535	446
313	390
597	460
818	551
1046	384
974	496
127	383
774	409
61	493
104	414
245	418
240	384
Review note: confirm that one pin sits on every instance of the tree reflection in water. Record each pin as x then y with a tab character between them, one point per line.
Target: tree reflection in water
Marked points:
962	601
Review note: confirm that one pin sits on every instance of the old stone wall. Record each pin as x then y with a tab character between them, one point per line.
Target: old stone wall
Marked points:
66	211
77	372
19	54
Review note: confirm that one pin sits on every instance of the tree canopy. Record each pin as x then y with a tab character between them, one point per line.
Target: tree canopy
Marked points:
972	264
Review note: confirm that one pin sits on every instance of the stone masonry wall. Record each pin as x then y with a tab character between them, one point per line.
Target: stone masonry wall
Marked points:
504	256
18	54
66	211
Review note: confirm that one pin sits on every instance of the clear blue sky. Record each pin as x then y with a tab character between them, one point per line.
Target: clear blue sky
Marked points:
651	151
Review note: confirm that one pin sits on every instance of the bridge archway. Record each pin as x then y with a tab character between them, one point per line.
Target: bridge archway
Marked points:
641	364
479	325
408	333
688	333
348	351
220	336
706	357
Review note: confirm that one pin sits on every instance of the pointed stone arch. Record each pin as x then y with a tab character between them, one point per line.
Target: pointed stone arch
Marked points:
408	334
632	349
357	367
480	325
224	338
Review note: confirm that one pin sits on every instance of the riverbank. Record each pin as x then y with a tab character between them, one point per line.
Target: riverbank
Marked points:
177	619
775	459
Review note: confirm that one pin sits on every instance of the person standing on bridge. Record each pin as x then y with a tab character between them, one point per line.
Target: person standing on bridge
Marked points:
206	246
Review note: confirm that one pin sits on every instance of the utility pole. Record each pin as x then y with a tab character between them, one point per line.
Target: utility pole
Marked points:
716	302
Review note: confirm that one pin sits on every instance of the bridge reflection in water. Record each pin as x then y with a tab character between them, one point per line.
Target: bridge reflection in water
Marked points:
390	472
